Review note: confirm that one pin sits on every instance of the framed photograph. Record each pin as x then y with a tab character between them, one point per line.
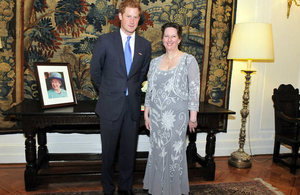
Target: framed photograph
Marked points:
55	84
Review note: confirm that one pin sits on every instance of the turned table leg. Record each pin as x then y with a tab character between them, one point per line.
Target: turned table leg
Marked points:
191	151
209	157
31	168
207	163
43	153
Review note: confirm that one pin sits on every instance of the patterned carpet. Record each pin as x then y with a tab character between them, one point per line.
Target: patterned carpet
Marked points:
255	187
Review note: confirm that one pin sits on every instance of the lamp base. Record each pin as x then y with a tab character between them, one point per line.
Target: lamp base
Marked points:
240	159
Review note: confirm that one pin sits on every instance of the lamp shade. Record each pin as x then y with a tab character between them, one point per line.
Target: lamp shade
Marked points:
251	41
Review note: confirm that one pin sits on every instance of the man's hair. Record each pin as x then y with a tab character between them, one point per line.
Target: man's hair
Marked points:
129	3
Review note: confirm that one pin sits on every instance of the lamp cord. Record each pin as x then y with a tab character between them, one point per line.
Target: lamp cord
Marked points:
249	142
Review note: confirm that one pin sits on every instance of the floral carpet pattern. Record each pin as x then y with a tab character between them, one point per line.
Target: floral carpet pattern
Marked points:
254	187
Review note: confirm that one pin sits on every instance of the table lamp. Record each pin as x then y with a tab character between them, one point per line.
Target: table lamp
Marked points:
249	42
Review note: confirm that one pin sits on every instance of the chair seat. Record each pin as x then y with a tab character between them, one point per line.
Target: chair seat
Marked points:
289	138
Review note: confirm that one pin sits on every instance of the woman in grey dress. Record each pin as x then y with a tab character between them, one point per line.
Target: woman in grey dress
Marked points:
171	104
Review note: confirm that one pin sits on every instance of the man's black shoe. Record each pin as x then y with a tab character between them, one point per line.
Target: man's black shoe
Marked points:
109	193
125	192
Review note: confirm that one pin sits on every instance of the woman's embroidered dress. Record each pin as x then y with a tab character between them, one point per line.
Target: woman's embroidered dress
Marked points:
170	96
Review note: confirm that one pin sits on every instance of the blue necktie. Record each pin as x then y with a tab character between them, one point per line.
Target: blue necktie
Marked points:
128	56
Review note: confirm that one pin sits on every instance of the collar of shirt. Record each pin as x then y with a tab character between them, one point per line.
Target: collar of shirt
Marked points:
132	41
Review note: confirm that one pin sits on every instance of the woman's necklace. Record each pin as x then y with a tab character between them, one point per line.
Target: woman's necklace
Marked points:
171	58
169	63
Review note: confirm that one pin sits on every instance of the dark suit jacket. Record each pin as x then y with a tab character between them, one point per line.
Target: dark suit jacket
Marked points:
108	71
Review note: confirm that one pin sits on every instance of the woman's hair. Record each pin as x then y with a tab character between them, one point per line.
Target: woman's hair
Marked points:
129	3
173	25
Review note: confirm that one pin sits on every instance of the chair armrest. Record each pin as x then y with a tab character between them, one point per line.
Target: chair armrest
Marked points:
289	119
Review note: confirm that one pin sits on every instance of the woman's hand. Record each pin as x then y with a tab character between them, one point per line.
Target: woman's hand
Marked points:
147	123
193	121
146	117
192	125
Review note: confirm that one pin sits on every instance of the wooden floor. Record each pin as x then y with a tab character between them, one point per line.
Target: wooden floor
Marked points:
12	180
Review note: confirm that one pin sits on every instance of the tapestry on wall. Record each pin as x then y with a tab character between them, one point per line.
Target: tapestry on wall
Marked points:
7	58
66	30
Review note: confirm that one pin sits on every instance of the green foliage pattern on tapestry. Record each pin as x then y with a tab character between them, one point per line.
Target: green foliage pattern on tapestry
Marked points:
66	30
7	60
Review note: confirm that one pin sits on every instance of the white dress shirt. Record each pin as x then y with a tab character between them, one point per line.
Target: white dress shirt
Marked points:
132	41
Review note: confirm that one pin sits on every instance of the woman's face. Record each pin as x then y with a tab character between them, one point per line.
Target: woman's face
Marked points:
55	83
171	39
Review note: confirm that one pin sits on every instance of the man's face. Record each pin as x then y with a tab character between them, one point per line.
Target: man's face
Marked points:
129	20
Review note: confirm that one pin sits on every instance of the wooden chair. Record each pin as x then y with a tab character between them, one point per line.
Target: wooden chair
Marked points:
287	125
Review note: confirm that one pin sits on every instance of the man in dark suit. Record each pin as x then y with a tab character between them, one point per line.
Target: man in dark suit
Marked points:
118	67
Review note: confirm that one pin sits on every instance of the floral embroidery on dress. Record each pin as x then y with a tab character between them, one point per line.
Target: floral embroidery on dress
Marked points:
168	119
170	96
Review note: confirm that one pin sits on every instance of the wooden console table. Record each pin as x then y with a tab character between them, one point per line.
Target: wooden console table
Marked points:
81	118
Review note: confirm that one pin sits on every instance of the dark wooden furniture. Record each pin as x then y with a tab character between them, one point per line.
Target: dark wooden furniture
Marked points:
286	101
81	118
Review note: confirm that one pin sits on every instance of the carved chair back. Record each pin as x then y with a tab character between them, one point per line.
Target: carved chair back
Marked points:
286	106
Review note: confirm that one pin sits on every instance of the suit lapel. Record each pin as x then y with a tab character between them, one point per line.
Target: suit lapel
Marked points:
137	48
120	51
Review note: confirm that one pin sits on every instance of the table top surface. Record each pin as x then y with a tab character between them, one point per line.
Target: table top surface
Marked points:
33	107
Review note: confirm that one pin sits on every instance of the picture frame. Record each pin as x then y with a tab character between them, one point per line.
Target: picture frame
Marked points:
55	84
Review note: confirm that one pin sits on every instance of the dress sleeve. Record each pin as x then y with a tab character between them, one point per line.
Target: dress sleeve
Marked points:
149	87
193	84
